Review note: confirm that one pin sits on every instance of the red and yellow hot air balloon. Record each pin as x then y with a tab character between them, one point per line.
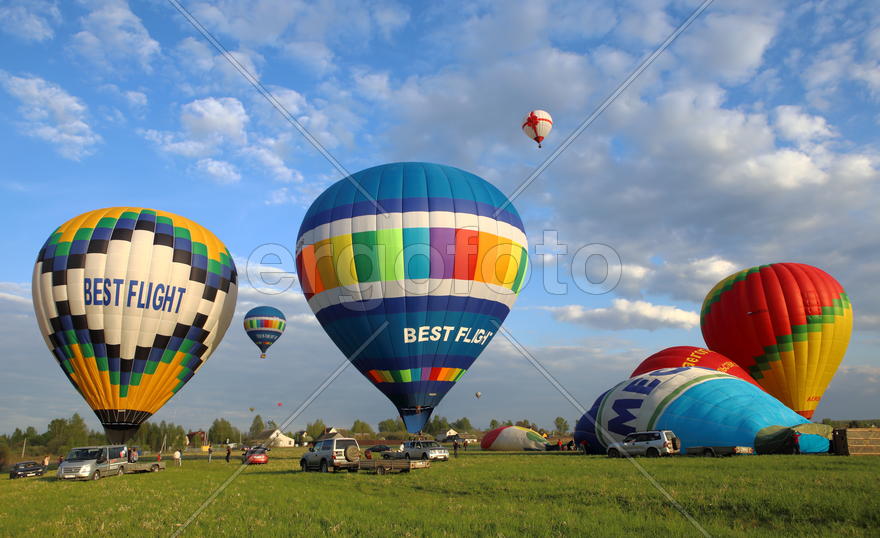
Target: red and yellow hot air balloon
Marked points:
687	356
537	125
787	324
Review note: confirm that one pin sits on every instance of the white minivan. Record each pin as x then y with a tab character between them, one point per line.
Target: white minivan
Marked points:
93	462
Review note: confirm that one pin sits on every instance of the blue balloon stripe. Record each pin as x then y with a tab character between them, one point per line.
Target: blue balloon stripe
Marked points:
399	205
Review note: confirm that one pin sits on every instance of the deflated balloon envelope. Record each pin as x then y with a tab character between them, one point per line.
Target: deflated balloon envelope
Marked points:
513	438
437	252
132	302
674	357
702	407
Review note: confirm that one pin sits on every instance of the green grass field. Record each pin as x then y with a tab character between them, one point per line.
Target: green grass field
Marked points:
478	494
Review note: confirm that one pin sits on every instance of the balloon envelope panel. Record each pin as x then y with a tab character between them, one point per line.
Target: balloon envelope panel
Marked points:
688	356
701	406
131	302
264	325
787	324
510	438
441	257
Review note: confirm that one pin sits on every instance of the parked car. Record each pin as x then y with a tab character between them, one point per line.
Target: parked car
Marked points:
424	450
332	455
26	468
256	455
378	450
93	462
650	443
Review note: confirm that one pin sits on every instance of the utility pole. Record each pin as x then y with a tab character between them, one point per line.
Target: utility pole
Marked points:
23	445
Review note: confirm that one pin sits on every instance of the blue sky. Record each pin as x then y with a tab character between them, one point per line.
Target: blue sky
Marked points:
751	140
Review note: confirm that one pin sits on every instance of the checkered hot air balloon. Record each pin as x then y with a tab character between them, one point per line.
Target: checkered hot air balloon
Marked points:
264	325
132	302
787	324
537	125
436	252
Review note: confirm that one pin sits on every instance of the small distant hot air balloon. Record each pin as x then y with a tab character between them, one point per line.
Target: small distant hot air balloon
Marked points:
280	404
264	325
251	409
434	254
537	125
787	324
478	394
132	302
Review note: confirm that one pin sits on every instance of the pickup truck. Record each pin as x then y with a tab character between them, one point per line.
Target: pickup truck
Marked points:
424	450
144	466
716	451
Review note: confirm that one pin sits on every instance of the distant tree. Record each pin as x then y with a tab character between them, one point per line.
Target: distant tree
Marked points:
437	425
392	425
507	423
5	454
316	428
462	425
526	423
221	430
360	426
561	426
270	425
257	426
494	424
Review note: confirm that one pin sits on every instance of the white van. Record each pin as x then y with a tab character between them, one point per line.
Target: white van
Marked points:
93	462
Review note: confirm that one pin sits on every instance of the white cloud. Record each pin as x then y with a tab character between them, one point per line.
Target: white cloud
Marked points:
53	115
314	54
219	171
729	46
30	20
268	153
625	314
794	124
113	35
136	99
389	17
215	120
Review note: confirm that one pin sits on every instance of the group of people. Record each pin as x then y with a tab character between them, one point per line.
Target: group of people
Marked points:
456	445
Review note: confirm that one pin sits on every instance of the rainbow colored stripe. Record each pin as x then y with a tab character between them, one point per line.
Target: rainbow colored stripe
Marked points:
265	323
416	374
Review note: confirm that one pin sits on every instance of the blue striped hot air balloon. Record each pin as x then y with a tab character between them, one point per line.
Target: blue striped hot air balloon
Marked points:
264	325
437	252
703	407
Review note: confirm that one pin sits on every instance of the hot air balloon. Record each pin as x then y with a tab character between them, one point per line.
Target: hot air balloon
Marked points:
132	302
513	438
537	125
702	407
787	324
264	325
280	404
251	409
437	252
687	356
478	394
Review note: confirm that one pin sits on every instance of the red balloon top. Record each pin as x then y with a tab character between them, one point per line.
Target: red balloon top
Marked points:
675	357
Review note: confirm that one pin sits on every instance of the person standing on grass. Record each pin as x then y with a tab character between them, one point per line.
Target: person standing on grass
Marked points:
795	442
46	461
210	453
177	458
228	453
455	448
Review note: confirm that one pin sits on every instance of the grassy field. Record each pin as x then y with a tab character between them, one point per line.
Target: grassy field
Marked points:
478	494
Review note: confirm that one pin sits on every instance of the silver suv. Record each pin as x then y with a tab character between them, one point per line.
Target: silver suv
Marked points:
424	450
93	462
651	444
331	455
